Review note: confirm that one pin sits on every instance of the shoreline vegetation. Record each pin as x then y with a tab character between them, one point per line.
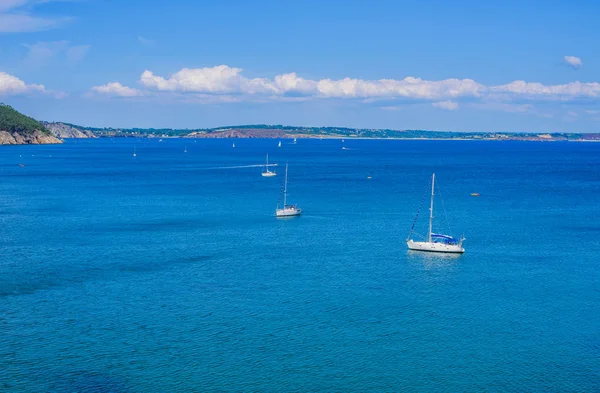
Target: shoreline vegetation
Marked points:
16	128
287	132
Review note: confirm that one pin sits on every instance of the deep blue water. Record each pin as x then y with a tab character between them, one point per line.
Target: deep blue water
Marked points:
168	272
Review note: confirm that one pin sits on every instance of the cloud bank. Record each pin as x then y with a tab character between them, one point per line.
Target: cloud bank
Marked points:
228	84
227	80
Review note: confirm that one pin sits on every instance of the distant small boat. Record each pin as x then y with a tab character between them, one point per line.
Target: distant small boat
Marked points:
185	149
233	145
21	164
267	172
287	210
474	194
279	145
134	154
368	177
160	140
435	242
295	141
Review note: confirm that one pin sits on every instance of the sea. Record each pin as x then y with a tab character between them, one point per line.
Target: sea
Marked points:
168	272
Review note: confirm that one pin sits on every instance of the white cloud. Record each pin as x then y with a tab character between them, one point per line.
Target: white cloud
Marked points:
16	17
448	105
227	80
573	61
42	53
566	91
216	80
291	83
229	84
116	89
408	87
11	85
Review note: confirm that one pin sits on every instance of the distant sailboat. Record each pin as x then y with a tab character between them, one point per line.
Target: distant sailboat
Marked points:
435	242
185	149
295	141
267	172
287	210
279	145
134	154
233	145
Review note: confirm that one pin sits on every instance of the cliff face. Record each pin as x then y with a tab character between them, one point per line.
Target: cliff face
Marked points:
35	138
61	130
18	129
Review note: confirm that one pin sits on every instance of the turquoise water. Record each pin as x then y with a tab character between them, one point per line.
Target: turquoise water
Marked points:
168	272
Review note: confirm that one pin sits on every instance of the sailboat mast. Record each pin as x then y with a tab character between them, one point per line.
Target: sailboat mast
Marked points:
431	207
285	187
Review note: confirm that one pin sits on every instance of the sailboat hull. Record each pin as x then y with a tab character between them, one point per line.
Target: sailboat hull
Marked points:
269	174
435	247
288	212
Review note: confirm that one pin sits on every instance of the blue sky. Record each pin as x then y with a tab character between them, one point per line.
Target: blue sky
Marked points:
461	66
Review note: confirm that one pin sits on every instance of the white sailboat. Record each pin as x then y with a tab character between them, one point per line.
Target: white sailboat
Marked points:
279	145
233	145
267	172
295	141
134	154
436	242
185	149
287	210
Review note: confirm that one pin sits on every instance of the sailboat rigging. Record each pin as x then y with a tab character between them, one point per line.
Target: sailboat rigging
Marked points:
435	242
267	172
287	210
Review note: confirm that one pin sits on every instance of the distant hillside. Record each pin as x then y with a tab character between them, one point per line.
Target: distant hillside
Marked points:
63	130
281	131
18	129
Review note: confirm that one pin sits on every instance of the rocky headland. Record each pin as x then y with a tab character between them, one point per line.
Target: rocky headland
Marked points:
62	130
18	129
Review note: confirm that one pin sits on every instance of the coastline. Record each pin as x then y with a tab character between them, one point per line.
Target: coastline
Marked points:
343	137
